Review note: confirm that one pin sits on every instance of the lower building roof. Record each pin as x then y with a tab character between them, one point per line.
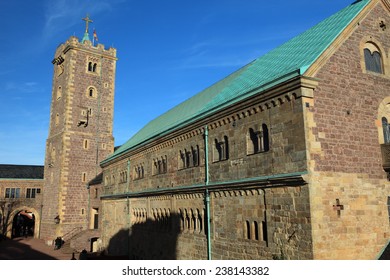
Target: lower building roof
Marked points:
9	171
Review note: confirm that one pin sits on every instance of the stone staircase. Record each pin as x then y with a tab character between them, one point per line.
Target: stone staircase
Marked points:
81	241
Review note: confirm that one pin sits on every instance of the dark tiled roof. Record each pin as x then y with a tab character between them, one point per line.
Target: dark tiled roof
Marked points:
8	171
97	180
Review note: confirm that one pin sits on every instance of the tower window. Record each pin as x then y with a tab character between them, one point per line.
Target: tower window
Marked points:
91	92
92	67
86	144
57	120
84	177
59	92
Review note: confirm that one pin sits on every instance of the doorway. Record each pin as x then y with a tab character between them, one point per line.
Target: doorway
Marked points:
23	224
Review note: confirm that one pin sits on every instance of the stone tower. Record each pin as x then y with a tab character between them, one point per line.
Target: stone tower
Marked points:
80	133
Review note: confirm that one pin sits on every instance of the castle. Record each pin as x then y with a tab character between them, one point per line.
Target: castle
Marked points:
286	158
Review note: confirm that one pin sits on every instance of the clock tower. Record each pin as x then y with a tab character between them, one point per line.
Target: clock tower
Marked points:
80	132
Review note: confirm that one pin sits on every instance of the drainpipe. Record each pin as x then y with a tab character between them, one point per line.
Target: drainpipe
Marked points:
128	207
88	223
40	221
206	145
207	201
207	195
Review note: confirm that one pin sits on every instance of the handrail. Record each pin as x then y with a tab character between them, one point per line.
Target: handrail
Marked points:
72	233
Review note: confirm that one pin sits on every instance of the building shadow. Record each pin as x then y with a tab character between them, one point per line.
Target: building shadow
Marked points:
148	240
386	253
14	249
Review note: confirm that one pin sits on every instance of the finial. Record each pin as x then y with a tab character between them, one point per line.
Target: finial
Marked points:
87	21
86	35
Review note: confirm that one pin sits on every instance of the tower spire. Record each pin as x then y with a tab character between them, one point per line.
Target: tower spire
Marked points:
86	34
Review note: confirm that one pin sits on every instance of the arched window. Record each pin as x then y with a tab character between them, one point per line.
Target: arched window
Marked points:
247	230
195	155
92	67
386	130
200	220
187	159
255	230
91	92
181	214
264	231
265	139
222	149
258	140
182	159
373	58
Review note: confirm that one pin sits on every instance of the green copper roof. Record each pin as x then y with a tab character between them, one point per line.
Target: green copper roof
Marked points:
85	38
289	60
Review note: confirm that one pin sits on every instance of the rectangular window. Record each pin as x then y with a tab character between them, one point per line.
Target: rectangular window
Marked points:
86	144
12	192
84	177
31	192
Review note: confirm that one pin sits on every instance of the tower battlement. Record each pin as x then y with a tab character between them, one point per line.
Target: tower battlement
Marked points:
74	43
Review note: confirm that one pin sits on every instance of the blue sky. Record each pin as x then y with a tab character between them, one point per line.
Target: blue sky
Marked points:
168	51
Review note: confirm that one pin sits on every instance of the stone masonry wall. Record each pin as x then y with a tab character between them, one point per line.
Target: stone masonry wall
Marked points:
271	223
80	133
282	119
348	186
22	203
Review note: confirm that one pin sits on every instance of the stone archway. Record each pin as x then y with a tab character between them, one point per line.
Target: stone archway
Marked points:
25	220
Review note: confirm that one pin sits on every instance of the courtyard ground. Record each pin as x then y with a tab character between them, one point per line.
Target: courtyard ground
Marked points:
30	249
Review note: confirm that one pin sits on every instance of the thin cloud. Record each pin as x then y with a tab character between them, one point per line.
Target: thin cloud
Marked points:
62	15
26	87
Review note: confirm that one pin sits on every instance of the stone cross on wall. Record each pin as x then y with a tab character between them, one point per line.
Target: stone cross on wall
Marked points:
338	207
